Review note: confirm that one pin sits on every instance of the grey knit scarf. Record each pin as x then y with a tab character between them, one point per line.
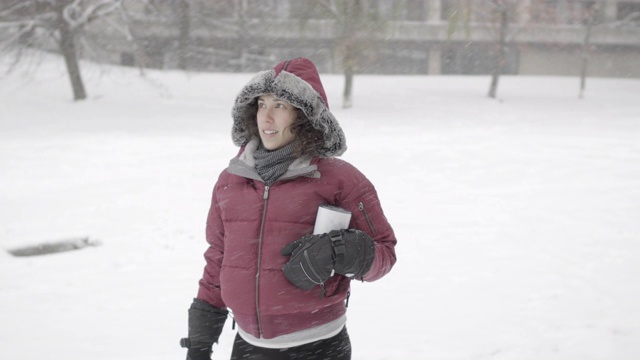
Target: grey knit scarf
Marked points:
273	164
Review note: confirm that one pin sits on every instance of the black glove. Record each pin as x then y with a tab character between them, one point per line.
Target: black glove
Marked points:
315	257
205	325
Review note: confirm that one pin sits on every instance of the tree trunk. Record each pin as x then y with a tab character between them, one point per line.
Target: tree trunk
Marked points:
348	87
185	28
585	63
353	20
501	56
585	51
68	49
243	34
349	69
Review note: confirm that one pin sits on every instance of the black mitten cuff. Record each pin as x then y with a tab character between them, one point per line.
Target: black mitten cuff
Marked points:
205	322
358	255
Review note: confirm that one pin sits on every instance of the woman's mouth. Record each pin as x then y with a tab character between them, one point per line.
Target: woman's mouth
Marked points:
270	132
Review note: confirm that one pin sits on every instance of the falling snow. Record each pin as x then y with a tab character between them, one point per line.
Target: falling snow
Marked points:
517	218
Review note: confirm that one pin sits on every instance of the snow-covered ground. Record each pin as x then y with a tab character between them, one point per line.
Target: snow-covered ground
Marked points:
518	219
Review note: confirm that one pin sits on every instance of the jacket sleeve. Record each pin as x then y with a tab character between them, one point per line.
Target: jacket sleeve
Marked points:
361	198
209	289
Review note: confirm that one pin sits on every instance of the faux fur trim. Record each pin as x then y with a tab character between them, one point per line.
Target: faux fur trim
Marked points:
300	94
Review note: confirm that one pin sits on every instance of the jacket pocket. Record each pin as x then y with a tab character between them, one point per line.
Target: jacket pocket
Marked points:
336	285
363	209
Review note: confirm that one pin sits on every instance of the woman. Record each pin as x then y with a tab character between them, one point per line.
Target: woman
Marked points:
287	289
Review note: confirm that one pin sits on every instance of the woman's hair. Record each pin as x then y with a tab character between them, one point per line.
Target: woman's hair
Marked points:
307	138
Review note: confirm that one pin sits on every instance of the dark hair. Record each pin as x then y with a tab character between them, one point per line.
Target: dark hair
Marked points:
308	140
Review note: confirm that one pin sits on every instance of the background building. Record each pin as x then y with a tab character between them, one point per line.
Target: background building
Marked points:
541	37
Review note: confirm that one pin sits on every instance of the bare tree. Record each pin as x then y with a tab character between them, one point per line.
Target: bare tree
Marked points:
61	20
241	23
497	19
589	20
500	14
591	25
173	14
356	20
184	16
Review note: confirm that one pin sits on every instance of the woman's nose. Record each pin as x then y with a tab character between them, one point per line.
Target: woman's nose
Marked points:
268	115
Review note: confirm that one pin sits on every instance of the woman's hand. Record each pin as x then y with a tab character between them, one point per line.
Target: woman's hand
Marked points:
314	258
311	261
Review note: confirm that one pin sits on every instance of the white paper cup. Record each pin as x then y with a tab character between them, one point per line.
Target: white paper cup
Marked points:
331	218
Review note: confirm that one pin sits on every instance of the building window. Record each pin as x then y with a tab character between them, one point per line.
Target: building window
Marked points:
477	59
629	12
221	9
259	9
543	11
309	9
449	8
416	10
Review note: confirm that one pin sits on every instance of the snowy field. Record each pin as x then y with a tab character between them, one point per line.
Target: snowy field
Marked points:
518	219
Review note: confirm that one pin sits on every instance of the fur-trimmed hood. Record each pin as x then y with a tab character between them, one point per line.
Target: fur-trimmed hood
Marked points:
298	82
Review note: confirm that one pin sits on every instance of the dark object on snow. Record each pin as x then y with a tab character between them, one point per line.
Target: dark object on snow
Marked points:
205	325
54	247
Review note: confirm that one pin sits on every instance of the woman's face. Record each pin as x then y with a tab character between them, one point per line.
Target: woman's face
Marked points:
275	117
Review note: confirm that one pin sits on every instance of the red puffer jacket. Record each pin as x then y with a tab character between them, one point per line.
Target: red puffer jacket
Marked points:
249	223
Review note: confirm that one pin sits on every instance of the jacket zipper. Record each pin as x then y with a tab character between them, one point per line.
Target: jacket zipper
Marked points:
264	215
366	216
